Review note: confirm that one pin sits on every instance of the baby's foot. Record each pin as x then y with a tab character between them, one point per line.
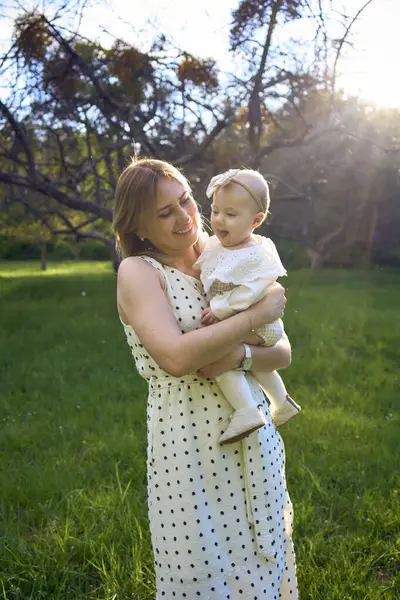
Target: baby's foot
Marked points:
242	423
285	411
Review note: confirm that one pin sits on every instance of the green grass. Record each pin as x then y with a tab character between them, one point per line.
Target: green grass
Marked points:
72	437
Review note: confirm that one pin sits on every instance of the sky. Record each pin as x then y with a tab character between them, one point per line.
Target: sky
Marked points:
370	70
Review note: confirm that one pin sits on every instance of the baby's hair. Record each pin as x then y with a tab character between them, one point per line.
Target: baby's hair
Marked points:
256	186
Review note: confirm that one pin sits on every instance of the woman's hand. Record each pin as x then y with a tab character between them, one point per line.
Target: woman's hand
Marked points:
270	308
253	340
228	362
265	358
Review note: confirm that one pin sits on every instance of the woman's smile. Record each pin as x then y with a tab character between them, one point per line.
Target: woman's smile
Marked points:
186	231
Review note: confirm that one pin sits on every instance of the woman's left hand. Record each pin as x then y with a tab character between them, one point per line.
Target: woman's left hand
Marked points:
226	363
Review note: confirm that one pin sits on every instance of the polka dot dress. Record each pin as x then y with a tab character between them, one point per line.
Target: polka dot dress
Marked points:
220	516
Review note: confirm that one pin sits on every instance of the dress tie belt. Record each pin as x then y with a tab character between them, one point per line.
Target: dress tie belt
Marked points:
261	501
170	381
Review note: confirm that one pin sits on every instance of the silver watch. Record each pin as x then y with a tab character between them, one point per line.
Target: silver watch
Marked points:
246	363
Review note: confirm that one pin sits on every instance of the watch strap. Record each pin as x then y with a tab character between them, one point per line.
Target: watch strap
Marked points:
246	363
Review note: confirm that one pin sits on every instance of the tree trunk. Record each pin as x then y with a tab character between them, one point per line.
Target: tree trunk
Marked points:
75	250
254	105
316	259
43	255
371	236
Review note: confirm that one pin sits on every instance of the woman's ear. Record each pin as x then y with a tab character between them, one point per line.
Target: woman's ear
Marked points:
140	235
258	219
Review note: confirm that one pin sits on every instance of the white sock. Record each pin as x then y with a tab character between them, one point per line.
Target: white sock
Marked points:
236	389
273	386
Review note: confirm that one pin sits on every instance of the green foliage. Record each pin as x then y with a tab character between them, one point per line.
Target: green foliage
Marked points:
351	185
32	36
12	249
199	72
59	249
73	426
76	111
94	251
292	253
131	67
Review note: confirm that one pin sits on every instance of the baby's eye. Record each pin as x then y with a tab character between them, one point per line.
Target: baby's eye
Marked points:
231	215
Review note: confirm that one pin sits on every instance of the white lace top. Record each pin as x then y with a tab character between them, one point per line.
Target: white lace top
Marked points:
235	279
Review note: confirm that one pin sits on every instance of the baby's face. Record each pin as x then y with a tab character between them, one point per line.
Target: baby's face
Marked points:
233	215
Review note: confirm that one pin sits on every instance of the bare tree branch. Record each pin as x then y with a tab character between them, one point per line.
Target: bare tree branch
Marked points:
50	190
220	126
254	106
71	229
20	135
340	46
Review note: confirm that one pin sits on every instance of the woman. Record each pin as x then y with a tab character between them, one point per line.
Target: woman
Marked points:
220	516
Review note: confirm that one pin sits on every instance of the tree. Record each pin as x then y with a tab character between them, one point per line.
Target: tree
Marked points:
347	180
76	111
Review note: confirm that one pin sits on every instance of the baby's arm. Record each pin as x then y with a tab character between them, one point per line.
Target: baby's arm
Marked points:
239	298
208	317
224	305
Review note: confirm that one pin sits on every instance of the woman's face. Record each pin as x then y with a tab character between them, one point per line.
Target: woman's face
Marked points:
172	223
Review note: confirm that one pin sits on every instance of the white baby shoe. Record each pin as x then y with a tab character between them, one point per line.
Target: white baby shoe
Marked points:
242	423
285	411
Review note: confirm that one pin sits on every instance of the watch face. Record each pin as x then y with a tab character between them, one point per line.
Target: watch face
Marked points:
246	364
247	361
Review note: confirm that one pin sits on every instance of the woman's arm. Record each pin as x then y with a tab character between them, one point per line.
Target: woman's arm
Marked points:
143	305
265	359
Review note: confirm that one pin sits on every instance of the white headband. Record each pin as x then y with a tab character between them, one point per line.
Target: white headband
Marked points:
228	177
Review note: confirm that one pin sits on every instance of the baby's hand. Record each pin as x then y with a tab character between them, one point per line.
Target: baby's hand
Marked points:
208	317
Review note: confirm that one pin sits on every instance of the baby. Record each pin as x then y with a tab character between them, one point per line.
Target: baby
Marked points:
237	267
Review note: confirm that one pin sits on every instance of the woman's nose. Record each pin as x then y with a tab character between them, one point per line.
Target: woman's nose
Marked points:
184	217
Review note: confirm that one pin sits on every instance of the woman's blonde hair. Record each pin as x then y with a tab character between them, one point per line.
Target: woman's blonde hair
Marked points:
137	190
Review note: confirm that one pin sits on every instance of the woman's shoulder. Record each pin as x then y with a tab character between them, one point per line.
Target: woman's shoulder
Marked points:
135	270
132	265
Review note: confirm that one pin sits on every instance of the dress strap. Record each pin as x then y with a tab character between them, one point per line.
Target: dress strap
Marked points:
157	265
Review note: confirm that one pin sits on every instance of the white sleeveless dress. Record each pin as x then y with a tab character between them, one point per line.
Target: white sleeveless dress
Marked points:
220	516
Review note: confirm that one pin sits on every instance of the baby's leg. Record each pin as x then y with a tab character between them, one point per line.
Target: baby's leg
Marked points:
273	386
272	383
247	416
236	389
271	333
283	407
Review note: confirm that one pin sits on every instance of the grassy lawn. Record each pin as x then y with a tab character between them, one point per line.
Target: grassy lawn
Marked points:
72	437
